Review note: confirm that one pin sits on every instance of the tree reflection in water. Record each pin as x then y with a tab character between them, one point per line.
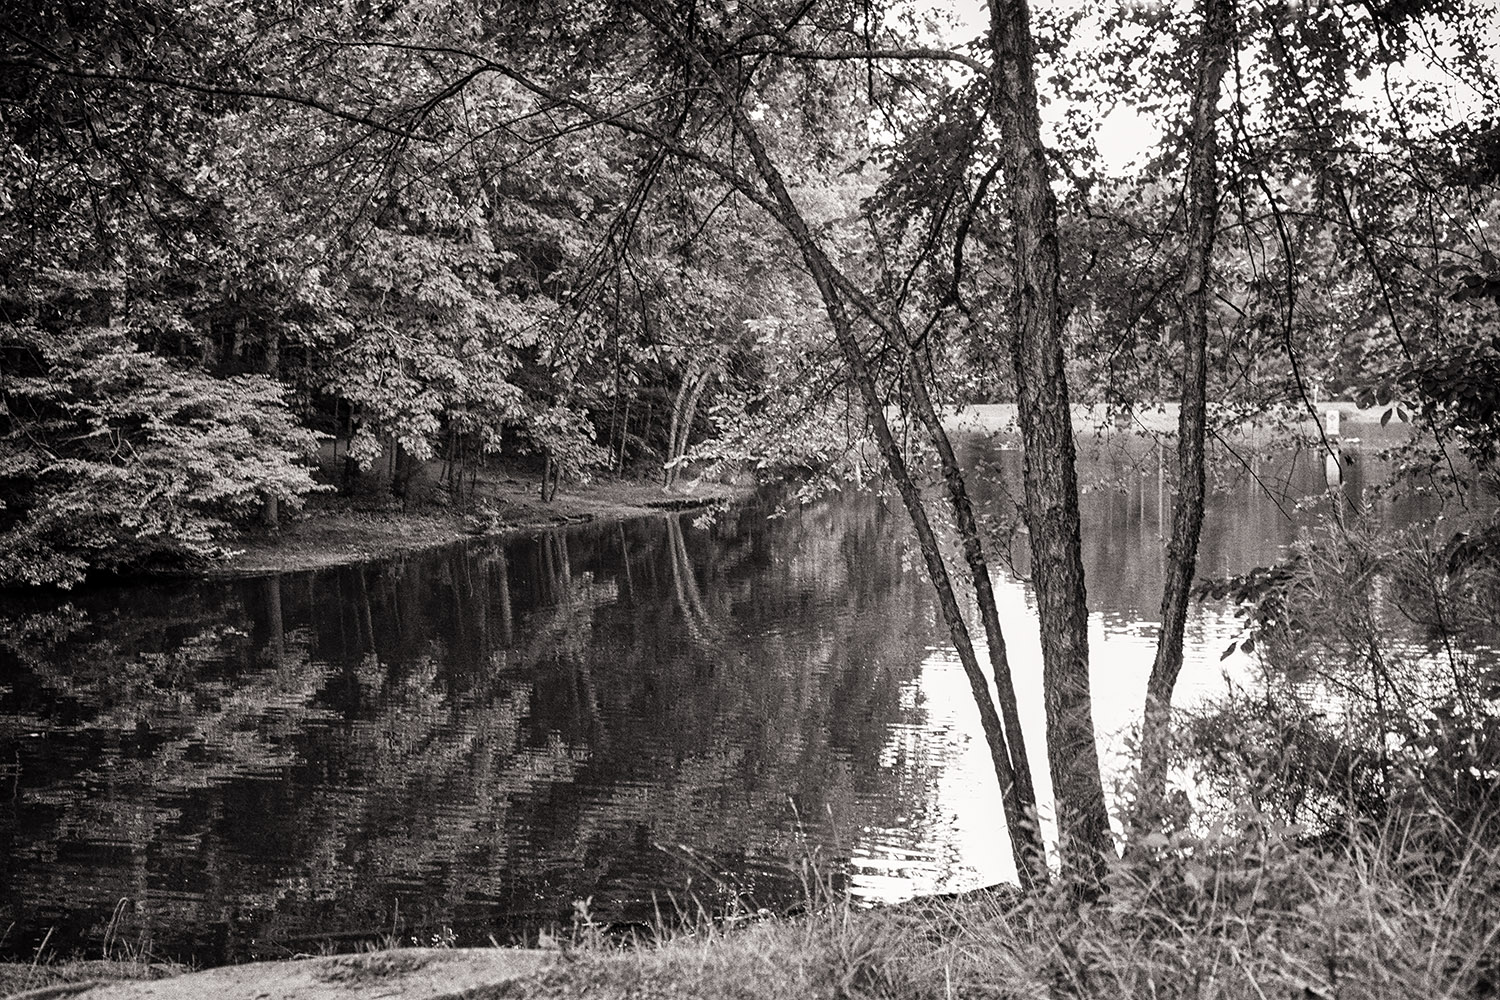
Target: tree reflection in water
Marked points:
471	738
477	737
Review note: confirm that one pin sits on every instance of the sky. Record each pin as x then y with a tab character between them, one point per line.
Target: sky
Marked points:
1124	135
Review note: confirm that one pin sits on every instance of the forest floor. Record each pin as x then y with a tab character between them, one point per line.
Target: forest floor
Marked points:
335	530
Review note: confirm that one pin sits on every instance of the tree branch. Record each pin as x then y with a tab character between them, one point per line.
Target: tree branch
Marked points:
850	55
256	93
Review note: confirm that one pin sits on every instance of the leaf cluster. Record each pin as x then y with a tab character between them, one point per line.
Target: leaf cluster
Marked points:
114	457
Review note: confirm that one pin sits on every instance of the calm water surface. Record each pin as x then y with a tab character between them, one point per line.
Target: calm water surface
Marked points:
474	738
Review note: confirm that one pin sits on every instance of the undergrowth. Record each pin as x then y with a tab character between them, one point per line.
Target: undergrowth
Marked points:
1253	914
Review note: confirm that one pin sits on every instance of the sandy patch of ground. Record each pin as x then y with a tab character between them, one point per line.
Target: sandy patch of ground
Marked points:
407	973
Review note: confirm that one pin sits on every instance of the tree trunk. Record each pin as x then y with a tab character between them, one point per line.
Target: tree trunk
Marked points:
453	475
1051	475
1187	512
688	377
624	438
832	287
549	489
1023	835
685	427
1024	806
270	512
236	340
403	469
351	467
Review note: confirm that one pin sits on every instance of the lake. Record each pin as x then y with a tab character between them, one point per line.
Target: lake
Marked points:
654	716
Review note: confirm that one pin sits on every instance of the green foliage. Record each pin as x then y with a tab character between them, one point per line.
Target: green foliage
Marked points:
430	253
566	437
1460	387
449	269
1458	380
114	457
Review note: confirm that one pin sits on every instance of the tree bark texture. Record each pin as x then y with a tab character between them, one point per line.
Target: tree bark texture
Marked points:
1025	840
683	428
1051	476
688	376
1187	511
834	289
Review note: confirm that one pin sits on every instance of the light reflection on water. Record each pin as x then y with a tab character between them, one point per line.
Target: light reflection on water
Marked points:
962	839
640	714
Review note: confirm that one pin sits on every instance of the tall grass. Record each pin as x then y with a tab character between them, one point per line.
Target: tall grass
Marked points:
1358	855
1254	914
1250	915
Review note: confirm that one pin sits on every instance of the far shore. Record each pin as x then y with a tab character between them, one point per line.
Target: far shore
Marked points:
335	530
1161	418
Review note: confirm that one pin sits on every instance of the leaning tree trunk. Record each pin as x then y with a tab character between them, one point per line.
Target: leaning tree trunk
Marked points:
1187	512
984	596
684	426
688	377
1051	475
831	284
1025	838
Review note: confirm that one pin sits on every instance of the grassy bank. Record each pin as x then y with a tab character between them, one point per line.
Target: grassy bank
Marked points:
1251	917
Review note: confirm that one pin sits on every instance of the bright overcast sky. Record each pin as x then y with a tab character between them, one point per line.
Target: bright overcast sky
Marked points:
1124	135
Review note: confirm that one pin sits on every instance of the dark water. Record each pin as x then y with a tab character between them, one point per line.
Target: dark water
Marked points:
646	714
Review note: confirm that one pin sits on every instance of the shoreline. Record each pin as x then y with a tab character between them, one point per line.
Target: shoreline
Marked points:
1355	424
338	531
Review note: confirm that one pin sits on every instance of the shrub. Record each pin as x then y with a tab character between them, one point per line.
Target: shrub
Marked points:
1376	695
112	457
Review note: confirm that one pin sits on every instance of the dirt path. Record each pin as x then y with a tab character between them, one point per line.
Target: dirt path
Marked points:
406	973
